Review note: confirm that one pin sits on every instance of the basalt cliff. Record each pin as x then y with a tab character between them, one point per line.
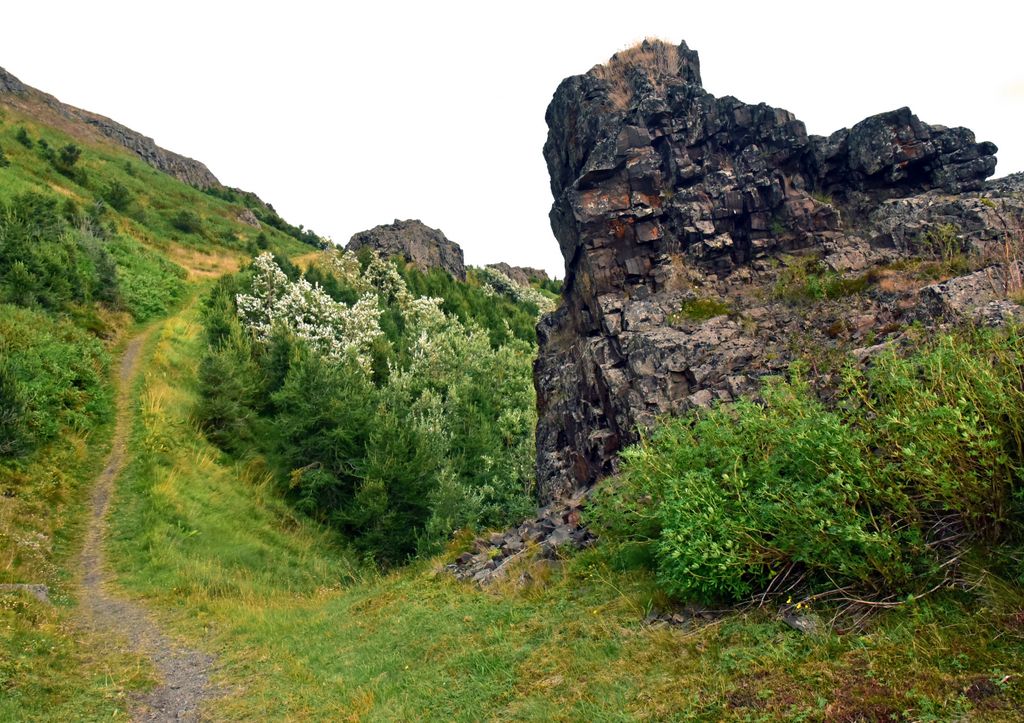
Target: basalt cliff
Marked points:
709	242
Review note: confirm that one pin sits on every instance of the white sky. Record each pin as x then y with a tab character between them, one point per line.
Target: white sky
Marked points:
348	115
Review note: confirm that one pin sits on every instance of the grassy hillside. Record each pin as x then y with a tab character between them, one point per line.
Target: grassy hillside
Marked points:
90	250
274	462
305	633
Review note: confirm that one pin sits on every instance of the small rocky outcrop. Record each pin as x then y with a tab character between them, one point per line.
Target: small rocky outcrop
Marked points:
556	528
184	169
521	275
708	242
424	247
247	217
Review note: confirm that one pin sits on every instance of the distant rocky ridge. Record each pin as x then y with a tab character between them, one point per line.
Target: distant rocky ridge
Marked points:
424	247
190	171
669	200
521	275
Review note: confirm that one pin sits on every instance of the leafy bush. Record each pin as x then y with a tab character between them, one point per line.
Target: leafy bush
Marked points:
23	138
117	195
808	279
44	263
187	221
918	452
13	437
148	284
701	309
4	162
396	422
53	377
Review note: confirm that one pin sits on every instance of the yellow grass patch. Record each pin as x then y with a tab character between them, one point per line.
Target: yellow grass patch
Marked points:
203	265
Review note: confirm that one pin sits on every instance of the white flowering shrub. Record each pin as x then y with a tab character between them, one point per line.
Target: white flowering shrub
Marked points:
498	284
331	328
396	422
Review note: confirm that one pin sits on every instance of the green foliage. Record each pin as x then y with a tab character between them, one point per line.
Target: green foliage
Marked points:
942	242
149	286
117	195
266	214
187	221
68	156
701	309
44	263
806	279
503	318
438	435
855	494
23	137
52	378
13	412
4	162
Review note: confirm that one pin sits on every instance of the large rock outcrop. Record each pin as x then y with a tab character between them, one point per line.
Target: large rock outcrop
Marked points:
708	242
426	248
190	171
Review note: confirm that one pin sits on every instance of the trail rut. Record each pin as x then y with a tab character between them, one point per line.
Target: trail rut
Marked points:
184	673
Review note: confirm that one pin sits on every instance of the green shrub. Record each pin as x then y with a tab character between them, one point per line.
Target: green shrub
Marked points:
23	138
57	371
807	279
117	195
45	263
4	162
148	284
856	494
13	438
187	221
432	431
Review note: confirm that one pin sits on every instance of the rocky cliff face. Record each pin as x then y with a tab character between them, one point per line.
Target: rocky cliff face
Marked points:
184	169
427	248
708	242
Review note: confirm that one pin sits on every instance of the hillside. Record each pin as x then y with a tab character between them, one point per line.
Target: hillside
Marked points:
774	416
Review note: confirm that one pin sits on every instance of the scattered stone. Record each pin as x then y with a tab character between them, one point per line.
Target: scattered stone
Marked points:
539	539
806	623
39	592
424	247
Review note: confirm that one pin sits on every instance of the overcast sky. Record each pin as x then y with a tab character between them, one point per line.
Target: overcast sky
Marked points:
349	117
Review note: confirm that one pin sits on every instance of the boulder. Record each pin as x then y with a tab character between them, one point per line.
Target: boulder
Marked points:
426	248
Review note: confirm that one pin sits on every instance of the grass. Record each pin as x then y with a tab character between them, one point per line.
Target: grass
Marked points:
806	279
303	632
701	309
50	668
656	58
156	198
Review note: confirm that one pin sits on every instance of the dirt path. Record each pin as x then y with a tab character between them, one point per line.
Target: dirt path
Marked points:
184	673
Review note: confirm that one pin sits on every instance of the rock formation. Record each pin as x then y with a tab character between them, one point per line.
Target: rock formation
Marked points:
708	242
427	248
190	171
520	274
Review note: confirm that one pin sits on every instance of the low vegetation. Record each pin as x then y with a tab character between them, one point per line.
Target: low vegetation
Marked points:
915	468
653	58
